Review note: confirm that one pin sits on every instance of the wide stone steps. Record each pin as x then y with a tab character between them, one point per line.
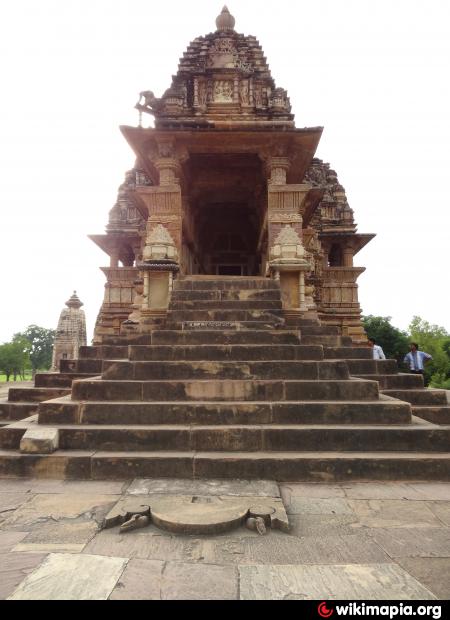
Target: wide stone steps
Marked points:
231	316
233	352
372	367
247	438
326	340
313	466
12	411
224	390
58	380
102	352
347	353
233	283
218	370
65	411
234	305
220	296
395	381
419	397
92	367
436	415
223	337
35	395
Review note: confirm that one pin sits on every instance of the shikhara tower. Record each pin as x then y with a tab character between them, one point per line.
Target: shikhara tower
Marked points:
225	184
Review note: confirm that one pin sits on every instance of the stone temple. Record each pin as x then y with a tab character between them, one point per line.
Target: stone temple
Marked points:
229	343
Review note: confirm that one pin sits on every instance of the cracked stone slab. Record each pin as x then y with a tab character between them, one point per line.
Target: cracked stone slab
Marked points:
14	567
298	505
413	542
433	573
312	490
441	510
198	515
386	491
342	582
432	490
243	488
11	501
197	582
61	537
8	540
42	508
71	577
394	513
284	549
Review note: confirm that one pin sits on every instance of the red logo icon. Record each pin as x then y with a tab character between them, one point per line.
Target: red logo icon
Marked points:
324	611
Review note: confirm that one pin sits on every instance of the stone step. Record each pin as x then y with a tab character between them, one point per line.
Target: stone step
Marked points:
218	370
224	390
227	316
268	438
372	367
280	466
223	337
223	325
383	411
200	305
105	352
436	415
55	380
325	340
419	397
35	395
90	367
12	411
221	296
348	353
395	382
231	352
225	284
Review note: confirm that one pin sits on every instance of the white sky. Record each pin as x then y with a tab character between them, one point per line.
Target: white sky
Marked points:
375	74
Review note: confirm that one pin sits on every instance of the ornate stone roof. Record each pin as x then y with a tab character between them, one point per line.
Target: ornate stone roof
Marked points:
222	74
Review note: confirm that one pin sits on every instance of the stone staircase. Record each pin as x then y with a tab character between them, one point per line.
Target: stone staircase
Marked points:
227	389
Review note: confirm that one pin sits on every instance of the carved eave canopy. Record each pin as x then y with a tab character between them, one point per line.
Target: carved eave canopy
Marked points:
222	77
299	145
357	241
112	242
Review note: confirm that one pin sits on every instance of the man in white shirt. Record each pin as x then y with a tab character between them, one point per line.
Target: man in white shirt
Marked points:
377	351
416	359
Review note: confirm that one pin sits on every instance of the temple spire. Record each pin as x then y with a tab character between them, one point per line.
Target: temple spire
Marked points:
225	22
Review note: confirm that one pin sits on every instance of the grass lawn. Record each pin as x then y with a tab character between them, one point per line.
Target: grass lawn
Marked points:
28	377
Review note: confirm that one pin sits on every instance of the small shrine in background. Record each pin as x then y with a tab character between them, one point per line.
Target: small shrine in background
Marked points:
71	332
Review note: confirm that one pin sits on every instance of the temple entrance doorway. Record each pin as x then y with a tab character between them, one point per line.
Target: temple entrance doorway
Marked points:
227	204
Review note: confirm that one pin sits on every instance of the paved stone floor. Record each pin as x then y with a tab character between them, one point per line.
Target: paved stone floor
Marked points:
347	541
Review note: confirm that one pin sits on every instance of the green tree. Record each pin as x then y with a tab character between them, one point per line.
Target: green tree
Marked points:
393	341
14	358
40	342
435	340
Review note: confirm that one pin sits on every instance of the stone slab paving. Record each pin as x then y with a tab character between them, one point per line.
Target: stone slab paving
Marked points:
71	577
379	581
350	541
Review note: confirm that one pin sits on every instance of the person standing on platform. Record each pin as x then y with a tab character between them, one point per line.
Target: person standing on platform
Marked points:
416	360
378	353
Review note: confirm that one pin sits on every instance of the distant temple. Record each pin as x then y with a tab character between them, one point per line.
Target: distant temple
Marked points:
70	334
225	184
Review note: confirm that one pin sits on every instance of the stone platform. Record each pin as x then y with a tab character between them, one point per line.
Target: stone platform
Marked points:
347	541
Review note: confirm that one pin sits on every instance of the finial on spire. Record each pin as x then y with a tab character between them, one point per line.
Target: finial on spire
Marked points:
74	301
225	21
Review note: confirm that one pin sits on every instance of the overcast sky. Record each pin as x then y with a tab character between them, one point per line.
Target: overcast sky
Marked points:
376	75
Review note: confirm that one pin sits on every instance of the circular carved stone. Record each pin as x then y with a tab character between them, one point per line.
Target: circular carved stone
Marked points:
197	516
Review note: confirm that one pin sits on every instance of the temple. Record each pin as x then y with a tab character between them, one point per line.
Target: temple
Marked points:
70	333
229	343
226	185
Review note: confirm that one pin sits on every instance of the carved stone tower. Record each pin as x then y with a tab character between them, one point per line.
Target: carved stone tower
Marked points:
71	332
226	185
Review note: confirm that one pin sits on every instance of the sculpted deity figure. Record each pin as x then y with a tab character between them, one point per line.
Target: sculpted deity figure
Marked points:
245	93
